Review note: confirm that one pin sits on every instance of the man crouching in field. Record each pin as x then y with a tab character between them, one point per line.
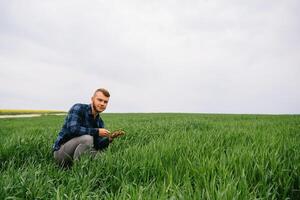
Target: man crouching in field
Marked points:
83	130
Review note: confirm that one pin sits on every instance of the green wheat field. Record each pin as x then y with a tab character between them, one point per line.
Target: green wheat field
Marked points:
162	156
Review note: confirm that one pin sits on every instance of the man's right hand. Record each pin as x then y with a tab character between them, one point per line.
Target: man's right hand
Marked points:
104	132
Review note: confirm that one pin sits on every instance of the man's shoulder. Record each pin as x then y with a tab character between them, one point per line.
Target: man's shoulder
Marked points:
79	107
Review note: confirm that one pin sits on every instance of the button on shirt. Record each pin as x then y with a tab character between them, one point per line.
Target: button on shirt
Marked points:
79	121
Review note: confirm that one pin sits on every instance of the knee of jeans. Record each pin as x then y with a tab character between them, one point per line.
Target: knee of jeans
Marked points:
87	139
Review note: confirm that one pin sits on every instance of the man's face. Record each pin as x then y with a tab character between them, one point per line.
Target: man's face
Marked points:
99	102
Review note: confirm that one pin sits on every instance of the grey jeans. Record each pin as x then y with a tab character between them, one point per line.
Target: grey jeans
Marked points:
73	149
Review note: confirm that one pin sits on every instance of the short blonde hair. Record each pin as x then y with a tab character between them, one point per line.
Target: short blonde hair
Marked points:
104	91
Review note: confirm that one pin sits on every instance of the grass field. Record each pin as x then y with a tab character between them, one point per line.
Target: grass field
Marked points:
163	156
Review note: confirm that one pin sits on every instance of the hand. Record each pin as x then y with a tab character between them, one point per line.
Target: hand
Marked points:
104	132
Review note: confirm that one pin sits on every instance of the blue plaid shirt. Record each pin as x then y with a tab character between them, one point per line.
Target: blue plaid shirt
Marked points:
79	121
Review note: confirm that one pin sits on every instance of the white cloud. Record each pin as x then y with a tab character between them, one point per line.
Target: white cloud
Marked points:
154	56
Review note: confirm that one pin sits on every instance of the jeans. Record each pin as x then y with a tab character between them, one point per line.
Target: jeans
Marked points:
74	148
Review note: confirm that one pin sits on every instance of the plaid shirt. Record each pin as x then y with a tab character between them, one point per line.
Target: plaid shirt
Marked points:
79	121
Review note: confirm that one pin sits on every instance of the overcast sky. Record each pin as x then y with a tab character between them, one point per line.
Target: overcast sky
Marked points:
201	56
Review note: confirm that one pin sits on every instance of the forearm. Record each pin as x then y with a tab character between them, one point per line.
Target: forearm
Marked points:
80	130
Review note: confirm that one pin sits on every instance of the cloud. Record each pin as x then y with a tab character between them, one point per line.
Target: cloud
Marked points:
170	56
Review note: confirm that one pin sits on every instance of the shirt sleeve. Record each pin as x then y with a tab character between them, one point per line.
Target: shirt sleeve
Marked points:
74	123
